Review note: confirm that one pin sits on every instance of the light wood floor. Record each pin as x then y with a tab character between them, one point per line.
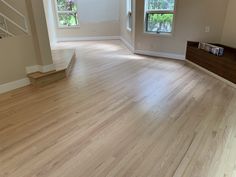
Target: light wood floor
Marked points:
120	115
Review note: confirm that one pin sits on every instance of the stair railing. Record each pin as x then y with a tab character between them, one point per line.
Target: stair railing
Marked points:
6	19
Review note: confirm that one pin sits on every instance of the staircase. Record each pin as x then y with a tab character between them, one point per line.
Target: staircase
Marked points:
63	60
13	24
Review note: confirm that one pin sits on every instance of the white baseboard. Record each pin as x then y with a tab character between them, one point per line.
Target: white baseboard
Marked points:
14	85
94	38
212	74
128	45
39	68
152	53
160	54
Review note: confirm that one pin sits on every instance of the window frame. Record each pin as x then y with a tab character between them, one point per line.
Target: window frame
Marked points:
161	11
65	12
129	14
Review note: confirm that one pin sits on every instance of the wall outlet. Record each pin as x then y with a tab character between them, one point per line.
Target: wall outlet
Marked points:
207	29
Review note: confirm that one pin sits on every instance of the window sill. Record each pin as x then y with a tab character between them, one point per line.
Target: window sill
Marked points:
68	27
159	34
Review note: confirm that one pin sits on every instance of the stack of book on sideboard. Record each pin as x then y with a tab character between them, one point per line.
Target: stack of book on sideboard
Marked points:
216	50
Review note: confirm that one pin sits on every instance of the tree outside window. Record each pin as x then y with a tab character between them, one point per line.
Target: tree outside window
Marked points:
67	13
159	16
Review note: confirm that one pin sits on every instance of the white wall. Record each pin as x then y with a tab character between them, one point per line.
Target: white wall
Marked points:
108	18
96	18
20	51
229	32
37	19
192	16
16	53
50	17
94	11
126	34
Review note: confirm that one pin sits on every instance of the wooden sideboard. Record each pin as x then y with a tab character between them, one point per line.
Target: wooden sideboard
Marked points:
224	66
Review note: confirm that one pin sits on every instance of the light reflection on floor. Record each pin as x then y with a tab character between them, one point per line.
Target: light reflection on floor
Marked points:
143	84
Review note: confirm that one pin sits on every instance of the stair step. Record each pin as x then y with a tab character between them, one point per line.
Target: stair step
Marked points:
39	79
63	61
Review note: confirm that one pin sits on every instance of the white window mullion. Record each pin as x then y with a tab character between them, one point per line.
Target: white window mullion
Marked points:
66	12
66	18
159	17
160	11
129	14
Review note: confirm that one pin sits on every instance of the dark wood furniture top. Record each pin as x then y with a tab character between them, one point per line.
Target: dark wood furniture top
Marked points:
224	66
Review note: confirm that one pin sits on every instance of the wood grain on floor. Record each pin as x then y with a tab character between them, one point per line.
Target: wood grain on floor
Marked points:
120	115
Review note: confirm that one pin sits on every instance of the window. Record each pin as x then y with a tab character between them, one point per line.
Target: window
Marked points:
129	14
67	13
159	16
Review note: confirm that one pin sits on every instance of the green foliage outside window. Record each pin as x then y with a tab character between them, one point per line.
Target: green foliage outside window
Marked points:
161	4
157	20
160	23
67	12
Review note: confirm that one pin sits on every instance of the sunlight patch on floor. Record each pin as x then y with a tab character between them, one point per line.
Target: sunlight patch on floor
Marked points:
126	57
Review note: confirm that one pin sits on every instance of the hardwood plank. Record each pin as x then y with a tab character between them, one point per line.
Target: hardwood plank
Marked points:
120	115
